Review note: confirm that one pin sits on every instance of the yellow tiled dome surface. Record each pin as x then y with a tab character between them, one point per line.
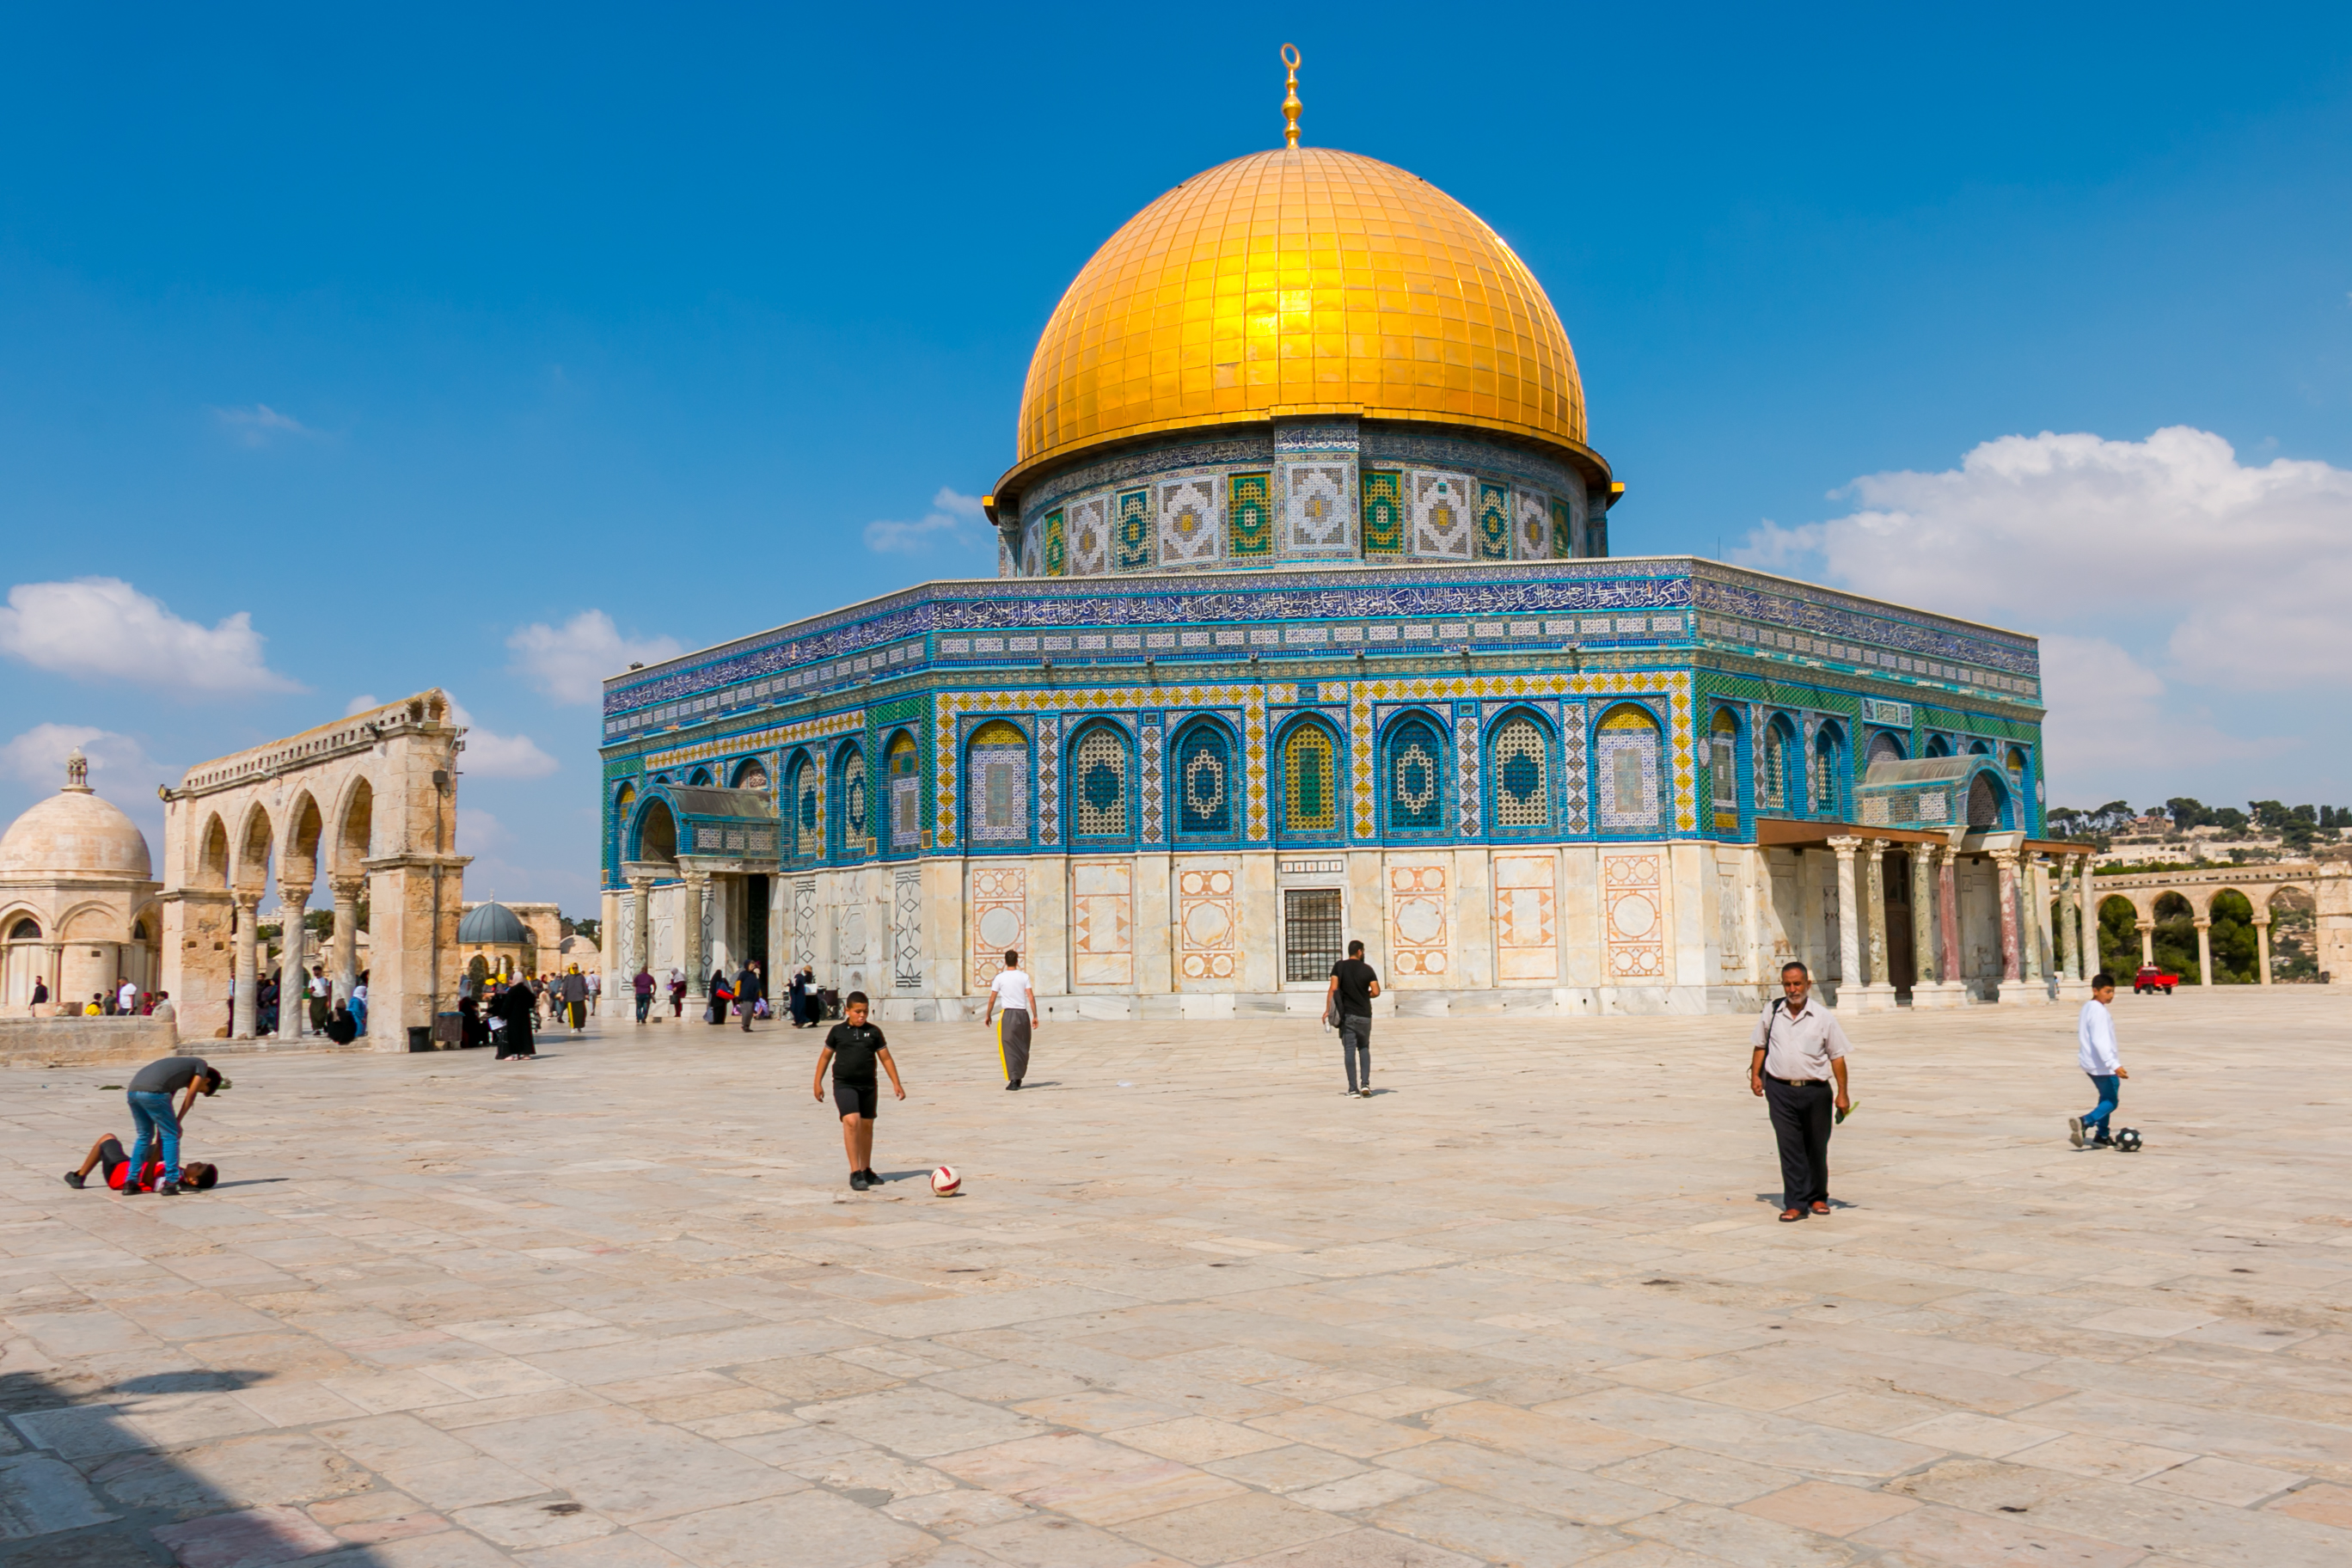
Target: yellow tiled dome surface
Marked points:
1301	280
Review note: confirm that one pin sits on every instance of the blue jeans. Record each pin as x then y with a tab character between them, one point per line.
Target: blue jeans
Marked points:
2095	1124
151	1118
359	1014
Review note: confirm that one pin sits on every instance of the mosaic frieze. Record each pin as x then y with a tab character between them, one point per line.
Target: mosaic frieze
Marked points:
1441	515
1090	530
1192	521
1493	539
1131	531
1384	511
1317	508
1249	511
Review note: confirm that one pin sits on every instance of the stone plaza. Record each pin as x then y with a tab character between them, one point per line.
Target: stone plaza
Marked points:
1528	1304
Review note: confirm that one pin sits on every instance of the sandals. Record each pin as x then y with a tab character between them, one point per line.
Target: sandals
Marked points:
1789	1217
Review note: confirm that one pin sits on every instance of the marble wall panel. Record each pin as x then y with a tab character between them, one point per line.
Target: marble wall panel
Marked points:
907	930
998	919
1102	923
1526	933
1208	927
1634	917
1419	902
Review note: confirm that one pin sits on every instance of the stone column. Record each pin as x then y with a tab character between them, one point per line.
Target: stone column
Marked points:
693	916
2086	950
1947	918
2148	941
2204	950
293	961
1849	908
640	893
346	971
245	1009
1924	948
2013	972
2263	941
1873	862
2040	950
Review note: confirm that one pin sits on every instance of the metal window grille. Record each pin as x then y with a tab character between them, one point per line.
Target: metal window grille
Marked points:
1310	933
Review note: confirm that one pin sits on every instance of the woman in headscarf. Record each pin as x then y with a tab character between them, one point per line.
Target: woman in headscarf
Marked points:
721	994
341	1028
472	1033
520	1009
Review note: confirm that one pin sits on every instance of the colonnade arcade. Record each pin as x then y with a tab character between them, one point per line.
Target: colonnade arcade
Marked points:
2267	889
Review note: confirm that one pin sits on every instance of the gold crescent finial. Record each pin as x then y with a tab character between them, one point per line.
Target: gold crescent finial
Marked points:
1290	105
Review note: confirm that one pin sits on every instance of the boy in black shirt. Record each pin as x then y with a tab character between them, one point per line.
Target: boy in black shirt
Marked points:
853	1047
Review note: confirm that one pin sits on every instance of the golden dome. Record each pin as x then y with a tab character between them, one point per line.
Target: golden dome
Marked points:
1300	282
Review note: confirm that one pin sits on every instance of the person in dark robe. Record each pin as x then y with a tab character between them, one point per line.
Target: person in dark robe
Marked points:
265	1007
747	995
520	1009
341	1028
721	994
472	1031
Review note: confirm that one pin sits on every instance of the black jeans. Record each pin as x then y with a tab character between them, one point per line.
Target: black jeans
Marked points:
1802	1121
1355	1048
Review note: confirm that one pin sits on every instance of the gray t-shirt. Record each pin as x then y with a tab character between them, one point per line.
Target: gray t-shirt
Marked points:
168	1075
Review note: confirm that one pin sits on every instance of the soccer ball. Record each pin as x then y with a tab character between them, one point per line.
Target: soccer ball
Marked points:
945	1183
2127	1140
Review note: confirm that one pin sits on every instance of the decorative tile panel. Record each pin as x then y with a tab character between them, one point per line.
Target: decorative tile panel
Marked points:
1633	918
1384	511
1466	745
1249	514
1130	531
1099	784
1441	515
1033	550
1626	755
1207	929
1056	547
804	918
907	931
1527	937
1494	521
999	770
1192	521
1102	922
1534	539
999	918
1049	774
1155	818
1522	778
1315	509
1089	527
1563	531
1418	902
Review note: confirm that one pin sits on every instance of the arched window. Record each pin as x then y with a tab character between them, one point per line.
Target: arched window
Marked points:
1205	782
1417	756
1986	807
996	785
2017	767
1625	768
1782	752
805	792
1828	772
1885	748
1938	746
904	762
849	791
702	779
1310	779
25	930
1723	768
1519	769
139	930
657	833
623	803
1101	767
1980	749
752	774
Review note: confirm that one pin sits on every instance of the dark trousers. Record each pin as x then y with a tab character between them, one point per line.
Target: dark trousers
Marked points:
1802	1121
1355	1048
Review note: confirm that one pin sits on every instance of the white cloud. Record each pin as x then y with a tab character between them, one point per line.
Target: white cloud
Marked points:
119	768
102	627
2144	567
260	424
360	704
954	518
491	755
570	662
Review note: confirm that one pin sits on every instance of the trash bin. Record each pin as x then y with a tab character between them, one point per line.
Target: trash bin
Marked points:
448	1030
420	1036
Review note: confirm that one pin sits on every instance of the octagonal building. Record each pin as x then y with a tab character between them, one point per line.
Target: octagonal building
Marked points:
1307	628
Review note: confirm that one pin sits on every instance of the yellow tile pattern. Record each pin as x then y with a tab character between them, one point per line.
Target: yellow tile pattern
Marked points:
1301	281
847	723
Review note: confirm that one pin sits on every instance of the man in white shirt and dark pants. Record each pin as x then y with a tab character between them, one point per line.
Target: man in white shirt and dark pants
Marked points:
1799	1048
2096	1029
1012	1008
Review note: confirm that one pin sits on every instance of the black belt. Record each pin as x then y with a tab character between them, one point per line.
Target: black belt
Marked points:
1801	1082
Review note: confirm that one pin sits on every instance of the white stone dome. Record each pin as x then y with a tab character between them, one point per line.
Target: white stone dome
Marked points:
74	831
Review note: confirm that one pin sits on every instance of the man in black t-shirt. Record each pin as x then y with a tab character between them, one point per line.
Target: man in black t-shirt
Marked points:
1353	985
854	1046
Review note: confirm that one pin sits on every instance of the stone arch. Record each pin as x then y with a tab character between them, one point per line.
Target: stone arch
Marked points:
354	838
699	779
89	922
751	773
1885	746
1988	805
1980	749
2291	896
253	843
1520	774
298	857
22	927
1308	759
653	835
211	855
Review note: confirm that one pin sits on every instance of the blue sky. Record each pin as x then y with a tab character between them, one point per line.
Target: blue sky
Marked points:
401	335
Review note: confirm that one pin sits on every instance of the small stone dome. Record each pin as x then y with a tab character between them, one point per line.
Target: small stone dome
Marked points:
75	831
492	924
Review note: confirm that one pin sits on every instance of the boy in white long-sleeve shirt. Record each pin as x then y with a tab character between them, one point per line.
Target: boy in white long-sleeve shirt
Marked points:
2097	1031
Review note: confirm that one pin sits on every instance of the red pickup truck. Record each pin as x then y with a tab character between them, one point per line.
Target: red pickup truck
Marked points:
2151	978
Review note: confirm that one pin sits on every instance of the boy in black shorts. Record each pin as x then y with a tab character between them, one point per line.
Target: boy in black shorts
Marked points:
853	1047
107	1152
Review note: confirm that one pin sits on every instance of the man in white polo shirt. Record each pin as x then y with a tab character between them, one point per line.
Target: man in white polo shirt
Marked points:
1799	1048
1012	1008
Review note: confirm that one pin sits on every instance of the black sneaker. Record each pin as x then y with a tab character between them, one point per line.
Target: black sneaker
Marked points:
873	1177
1011	1087
2103	1142
168	1190
74	1178
858	1182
